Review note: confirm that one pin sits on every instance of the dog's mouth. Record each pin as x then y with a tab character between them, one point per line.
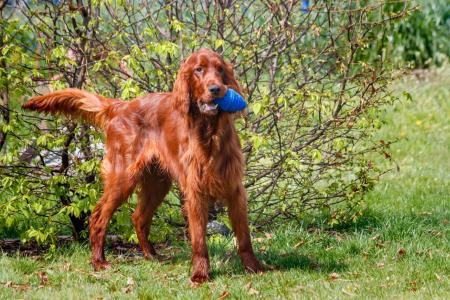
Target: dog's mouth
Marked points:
208	108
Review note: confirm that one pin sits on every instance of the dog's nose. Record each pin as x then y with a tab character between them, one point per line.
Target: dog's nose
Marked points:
214	89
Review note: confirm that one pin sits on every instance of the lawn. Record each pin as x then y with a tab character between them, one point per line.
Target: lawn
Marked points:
399	248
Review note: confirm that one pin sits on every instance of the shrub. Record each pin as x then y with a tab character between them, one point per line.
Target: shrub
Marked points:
418	41
314	101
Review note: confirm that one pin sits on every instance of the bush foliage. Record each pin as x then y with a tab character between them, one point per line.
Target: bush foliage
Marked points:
314	95
419	41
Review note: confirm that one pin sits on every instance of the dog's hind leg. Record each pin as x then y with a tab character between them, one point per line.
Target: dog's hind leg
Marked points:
154	186
118	186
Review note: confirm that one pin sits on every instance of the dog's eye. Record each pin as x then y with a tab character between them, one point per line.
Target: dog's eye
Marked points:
199	69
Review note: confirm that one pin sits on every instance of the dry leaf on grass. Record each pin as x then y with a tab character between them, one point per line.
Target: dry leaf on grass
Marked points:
16	286
66	266
43	278
333	276
251	290
401	252
224	294
348	293
130	286
413	286
301	243
379	245
375	237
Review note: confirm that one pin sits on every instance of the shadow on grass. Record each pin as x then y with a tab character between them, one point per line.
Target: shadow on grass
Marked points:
273	259
276	261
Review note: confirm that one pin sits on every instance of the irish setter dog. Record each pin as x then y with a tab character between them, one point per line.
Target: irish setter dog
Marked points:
163	137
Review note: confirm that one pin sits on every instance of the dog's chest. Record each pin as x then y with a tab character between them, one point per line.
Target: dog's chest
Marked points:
214	157
219	166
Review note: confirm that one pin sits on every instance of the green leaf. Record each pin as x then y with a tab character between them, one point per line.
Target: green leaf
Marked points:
407	96
218	43
256	107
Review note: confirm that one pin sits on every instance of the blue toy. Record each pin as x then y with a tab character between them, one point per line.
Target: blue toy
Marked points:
231	102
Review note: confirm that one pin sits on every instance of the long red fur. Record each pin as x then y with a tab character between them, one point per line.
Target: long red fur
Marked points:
164	137
74	103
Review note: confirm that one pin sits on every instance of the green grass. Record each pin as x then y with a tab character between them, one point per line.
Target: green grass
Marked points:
399	248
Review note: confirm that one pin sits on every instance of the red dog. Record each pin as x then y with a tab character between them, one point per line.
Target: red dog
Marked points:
161	137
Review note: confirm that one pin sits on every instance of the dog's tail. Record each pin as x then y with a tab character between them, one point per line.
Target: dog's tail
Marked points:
96	110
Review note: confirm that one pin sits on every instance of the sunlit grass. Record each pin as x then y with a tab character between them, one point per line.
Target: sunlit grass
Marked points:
399	248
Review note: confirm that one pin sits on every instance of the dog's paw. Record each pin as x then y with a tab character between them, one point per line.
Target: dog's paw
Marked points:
251	264
255	267
101	265
199	277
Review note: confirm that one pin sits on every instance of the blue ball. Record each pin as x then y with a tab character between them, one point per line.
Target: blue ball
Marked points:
231	102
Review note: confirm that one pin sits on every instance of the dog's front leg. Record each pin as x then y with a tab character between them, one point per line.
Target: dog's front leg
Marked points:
237	212
197	211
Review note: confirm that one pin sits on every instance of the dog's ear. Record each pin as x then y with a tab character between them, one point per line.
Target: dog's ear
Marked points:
229	79
181	89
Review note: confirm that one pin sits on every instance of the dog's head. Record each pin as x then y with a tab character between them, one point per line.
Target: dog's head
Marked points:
203	77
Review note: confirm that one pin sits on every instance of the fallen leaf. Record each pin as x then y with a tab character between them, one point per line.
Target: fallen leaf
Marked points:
333	276
43	278
438	277
224	294
380	265
66	266
269	235
365	255
347	292
379	245
130	286
413	285
301	243
375	237
251	290
16	286
315	266
401	252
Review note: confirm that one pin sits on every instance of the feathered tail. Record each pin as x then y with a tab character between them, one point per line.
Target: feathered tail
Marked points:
76	103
